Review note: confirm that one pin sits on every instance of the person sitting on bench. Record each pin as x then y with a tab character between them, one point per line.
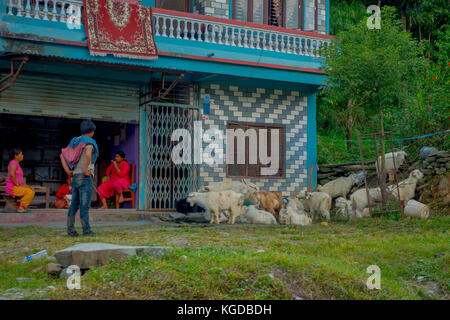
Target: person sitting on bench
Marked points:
64	194
119	173
15	186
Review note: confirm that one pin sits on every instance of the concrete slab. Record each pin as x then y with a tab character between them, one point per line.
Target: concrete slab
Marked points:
93	254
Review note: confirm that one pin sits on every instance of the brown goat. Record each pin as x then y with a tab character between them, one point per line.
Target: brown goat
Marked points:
270	201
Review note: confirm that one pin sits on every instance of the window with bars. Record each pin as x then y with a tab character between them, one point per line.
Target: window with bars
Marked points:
282	13
182	93
252	166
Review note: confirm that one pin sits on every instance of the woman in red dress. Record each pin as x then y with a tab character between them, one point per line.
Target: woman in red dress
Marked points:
119	173
64	195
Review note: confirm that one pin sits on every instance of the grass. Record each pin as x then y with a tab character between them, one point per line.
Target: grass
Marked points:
247	262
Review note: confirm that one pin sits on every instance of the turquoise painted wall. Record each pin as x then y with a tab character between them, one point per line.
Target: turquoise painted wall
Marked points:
312	139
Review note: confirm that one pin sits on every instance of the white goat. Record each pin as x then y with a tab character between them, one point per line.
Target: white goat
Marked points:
256	216
294	214
316	202
237	186
359	201
340	186
397	156
216	201
407	187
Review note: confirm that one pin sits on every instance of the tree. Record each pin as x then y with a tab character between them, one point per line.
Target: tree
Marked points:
370	68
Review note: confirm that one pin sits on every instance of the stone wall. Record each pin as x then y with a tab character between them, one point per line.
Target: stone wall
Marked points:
436	164
259	105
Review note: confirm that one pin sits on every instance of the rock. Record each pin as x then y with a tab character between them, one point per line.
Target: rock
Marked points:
427	151
260	251
13	294
65	274
432	288
91	254
21	279
36	270
54	268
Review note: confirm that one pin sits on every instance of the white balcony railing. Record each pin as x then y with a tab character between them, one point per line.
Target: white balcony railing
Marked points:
66	11
206	29
180	25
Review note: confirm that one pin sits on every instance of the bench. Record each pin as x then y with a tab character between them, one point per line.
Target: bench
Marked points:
4	198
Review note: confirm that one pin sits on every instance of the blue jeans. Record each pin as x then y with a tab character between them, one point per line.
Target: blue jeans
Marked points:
81	199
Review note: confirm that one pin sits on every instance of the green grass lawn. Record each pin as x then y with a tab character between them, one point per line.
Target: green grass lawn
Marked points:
246	262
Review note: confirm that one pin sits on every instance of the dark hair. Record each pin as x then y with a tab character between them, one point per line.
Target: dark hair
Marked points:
121	154
87	126
14	152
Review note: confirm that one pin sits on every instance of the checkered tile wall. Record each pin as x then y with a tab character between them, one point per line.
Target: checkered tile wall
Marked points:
259	105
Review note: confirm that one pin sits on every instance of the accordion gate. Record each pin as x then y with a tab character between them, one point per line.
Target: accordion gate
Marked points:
165	182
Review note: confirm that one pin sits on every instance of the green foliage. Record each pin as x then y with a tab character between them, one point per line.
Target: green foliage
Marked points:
345	14
387	68
372	66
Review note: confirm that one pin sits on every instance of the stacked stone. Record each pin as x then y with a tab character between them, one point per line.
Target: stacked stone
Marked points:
329	173
436	163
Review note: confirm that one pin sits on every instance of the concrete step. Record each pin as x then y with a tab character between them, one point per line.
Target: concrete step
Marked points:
60	215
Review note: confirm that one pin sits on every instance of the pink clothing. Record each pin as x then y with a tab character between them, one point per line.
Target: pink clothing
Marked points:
19	177
107	189
118	182
72	155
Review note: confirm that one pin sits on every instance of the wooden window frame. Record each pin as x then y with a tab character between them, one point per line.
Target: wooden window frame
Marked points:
282	128
316	15
300	14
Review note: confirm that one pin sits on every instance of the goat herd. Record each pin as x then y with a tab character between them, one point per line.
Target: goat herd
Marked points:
226	201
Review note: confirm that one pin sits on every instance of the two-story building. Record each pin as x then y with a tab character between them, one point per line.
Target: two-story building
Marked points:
256	61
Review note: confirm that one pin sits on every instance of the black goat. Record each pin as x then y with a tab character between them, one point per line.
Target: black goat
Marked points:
183	206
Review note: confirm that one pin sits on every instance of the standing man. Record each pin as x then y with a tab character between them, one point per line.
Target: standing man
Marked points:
82	176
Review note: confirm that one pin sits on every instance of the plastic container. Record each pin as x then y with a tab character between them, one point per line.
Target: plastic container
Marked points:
416	209
35	256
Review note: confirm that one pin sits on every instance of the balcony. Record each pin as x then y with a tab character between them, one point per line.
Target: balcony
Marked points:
185	41
180	25
64	11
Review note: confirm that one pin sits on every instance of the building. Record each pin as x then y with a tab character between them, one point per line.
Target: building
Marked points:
256	61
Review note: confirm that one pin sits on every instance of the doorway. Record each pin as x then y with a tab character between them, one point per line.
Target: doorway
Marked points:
42	138
165	182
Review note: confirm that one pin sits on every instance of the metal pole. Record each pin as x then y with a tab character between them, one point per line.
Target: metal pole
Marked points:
365	174
395	177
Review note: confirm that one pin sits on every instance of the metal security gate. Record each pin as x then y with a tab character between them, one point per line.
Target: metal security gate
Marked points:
71	97
165	182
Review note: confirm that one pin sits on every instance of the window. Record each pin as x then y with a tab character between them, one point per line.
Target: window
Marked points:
250	10
179	5
252	156
282	13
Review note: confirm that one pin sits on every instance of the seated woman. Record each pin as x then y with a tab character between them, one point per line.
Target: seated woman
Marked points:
119	173
15	186
64	195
